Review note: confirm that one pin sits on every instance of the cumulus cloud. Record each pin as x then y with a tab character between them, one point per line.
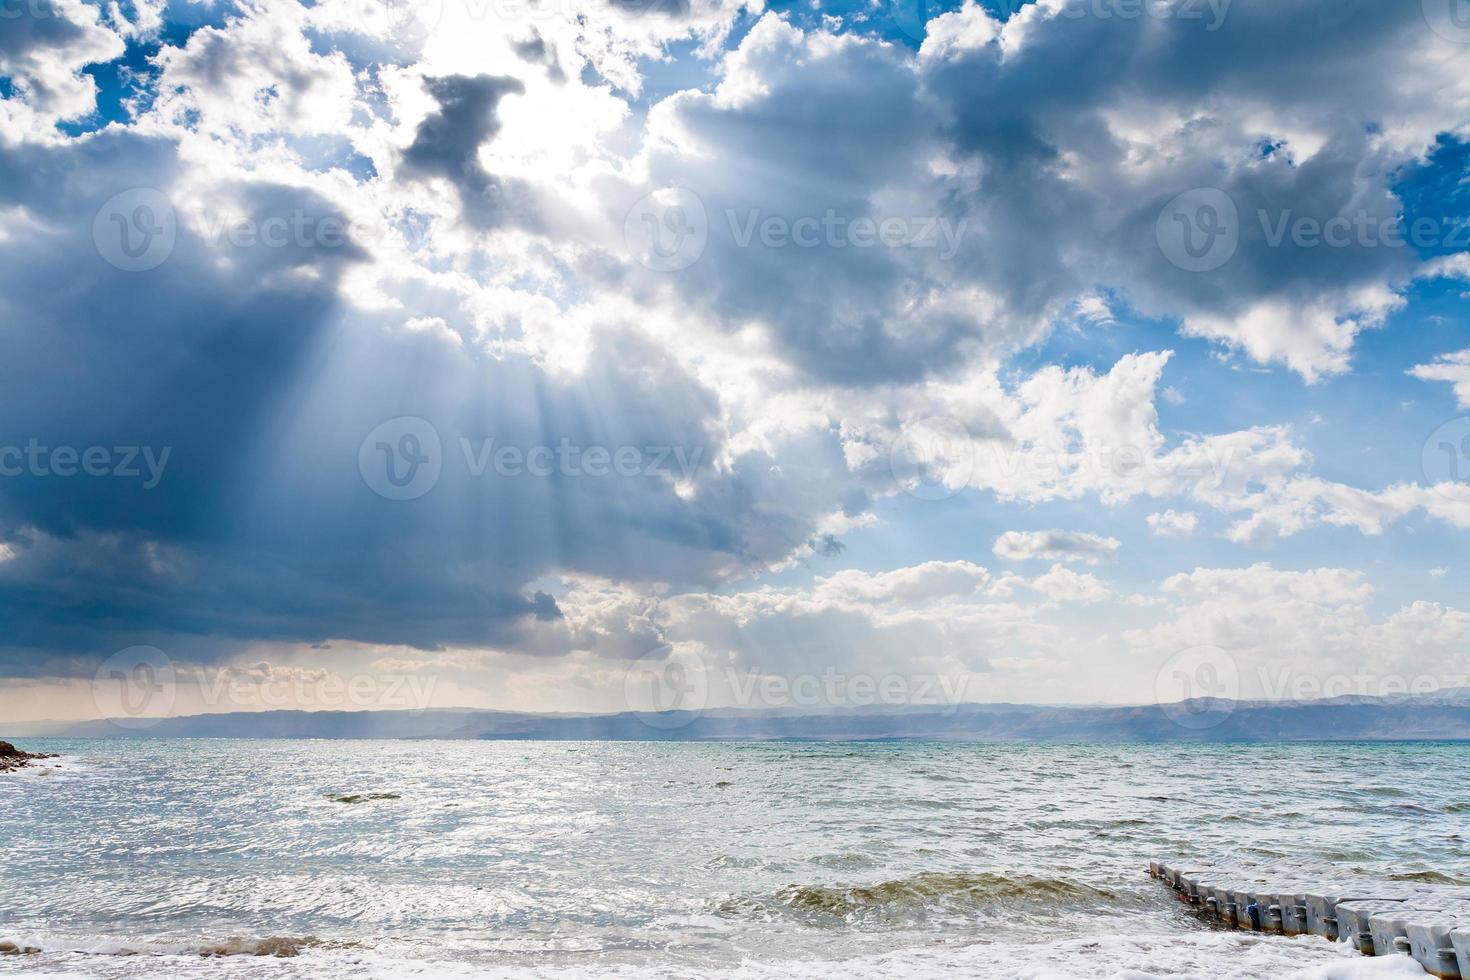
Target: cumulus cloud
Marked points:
1309	632
1453	369
43	49
1062	584
1081	151
255	75
932	617
1061	545
1064	434
1172	523
910	586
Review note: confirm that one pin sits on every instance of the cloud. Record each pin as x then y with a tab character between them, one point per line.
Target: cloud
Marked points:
1085	153
1173	523
487	287
264	527
43	49
1062	545
257	75
1064	434
1321	586
447	144
930	617
1061	584
908	586
1452	368
1280	628
838	303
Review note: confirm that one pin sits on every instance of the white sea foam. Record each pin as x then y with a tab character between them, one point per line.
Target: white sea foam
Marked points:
1205	956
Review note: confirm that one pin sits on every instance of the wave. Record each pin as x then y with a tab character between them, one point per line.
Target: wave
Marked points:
1427	878
280	946
268	946
933	889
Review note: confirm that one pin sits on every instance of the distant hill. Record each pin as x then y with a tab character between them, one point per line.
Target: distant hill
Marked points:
1440	717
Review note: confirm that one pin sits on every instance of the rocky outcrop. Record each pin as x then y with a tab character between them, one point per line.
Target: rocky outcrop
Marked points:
9	948
12	758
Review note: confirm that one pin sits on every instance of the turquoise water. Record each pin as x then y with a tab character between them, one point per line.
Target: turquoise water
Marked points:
508	858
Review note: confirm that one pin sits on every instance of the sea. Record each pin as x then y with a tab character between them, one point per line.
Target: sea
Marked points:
455	859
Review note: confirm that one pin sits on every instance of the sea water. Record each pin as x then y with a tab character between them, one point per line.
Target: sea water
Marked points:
186	858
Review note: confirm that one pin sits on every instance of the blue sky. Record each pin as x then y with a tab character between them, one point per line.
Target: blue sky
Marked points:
523	349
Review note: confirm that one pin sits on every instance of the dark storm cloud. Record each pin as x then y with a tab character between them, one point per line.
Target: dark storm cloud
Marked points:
448	141
1052	180
1303	65
236	364
813	154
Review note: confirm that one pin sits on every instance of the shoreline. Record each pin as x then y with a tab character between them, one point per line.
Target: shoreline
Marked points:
13	759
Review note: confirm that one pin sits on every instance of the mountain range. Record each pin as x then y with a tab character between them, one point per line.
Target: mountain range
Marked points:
1443	716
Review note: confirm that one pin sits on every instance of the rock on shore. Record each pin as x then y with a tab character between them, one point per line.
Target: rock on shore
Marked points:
12	758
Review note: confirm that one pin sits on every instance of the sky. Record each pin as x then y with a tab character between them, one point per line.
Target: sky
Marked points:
583	355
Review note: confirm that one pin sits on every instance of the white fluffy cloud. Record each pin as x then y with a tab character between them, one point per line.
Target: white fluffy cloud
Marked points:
258	75
43	48
1068	434
934	617
1062	545
1453	369
1062	584
1279	628
1173	524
